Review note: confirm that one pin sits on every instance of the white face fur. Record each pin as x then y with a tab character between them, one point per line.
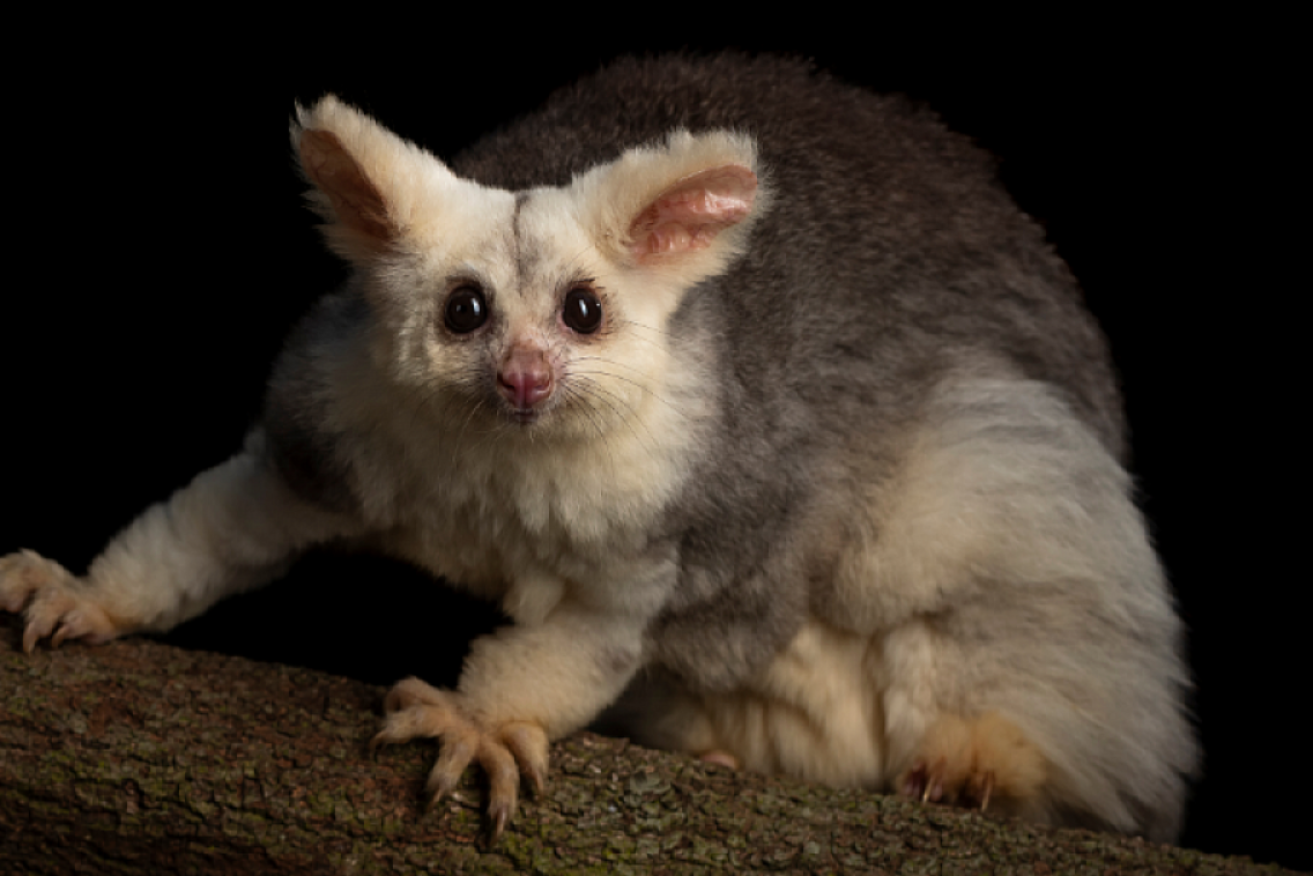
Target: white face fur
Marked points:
542	310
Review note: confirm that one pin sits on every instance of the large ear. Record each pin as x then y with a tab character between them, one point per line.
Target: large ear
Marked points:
682	208
368	181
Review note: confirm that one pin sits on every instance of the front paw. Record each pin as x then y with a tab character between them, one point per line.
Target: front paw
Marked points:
504	750
976	762
51	601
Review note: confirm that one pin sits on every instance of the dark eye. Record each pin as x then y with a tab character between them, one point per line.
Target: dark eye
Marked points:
466	310
582	311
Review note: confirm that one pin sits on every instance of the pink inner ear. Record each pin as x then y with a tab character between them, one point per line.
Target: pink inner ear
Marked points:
358	203
688	215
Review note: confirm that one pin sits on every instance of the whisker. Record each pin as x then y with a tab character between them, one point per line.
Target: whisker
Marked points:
584	405
588	390
646	389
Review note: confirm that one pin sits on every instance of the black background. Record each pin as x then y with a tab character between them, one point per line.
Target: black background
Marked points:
158	251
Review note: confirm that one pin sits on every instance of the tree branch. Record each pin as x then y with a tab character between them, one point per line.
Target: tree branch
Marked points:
137	757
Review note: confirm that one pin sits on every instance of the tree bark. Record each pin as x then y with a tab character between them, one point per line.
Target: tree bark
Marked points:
137	757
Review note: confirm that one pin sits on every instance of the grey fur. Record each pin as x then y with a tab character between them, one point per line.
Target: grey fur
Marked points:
892	290
891	265
898	426
302	447
921	259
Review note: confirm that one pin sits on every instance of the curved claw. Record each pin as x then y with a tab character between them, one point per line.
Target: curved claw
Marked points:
984	791
527	743
458	749
52	602
416	709
914	781
503	784
923	782
975	763
37	629
498	817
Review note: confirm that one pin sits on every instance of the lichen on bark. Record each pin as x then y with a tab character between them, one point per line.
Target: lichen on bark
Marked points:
137	757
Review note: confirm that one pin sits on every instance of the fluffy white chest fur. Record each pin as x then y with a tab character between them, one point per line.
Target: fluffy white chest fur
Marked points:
524	521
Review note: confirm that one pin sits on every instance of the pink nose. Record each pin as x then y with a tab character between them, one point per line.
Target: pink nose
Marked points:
525	378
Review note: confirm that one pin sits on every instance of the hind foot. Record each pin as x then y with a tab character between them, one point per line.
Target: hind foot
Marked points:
975	763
